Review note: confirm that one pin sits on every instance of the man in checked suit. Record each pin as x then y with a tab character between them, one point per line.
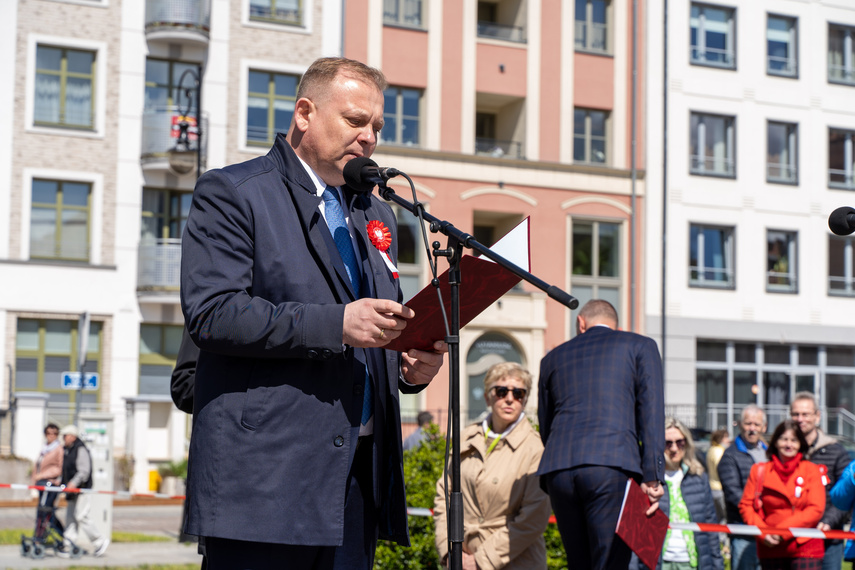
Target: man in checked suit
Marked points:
295	457
602	420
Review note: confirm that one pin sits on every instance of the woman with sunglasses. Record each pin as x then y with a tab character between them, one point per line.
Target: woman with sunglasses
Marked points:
785	492
687	499
505	511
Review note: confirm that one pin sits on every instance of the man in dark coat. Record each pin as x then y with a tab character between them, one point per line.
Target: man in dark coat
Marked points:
601	410
295	456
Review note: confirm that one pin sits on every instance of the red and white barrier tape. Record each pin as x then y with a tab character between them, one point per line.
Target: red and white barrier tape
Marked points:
738	529
61	489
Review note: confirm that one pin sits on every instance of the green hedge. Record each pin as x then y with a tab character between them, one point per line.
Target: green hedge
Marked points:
422	469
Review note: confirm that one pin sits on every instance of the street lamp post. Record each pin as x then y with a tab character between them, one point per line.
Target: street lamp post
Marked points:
181	156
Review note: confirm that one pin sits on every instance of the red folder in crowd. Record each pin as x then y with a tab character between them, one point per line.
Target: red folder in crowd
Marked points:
483	283
644	535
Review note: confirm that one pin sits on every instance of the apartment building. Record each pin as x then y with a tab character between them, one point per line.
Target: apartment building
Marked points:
750	290
497	110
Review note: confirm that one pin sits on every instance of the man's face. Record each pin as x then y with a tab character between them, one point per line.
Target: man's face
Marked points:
340	125
752	427
806	415
68	439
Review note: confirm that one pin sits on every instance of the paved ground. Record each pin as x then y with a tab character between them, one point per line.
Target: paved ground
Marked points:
160	519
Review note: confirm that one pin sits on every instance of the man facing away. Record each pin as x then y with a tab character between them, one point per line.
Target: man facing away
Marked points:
295	456
825	451
77	474
733	470
602	416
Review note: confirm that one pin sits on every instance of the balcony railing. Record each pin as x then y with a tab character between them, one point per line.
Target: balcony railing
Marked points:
712	166
501	32
777	172
712	56
160	133
780	65
841	74
841	286
499	149
159	264
171	19
591	37
842	179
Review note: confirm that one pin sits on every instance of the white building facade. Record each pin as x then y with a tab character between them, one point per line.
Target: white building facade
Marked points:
748	154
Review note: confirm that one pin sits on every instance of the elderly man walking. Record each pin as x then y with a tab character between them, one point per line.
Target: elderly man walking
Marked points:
733	470
825	451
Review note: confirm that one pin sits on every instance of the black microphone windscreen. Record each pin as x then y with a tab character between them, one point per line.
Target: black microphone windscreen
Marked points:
838	221
353	174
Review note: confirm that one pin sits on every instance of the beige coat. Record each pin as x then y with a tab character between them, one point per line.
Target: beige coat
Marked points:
49	465
505	512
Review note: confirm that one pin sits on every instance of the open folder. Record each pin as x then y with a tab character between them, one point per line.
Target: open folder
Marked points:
644	535
483	282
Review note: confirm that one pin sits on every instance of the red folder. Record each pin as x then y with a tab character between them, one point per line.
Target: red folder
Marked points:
483	282
644	535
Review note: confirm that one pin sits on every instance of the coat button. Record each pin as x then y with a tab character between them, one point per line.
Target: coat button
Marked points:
312	353
326	354
338	441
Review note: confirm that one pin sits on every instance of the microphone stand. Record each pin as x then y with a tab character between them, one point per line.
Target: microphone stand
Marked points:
456	241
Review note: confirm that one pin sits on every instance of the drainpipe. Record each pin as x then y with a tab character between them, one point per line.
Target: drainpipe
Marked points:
633	167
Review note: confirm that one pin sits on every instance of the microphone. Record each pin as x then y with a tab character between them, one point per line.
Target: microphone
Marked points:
362	174
842	221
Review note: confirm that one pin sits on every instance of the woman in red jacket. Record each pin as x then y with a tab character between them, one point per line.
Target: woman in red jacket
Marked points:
785	492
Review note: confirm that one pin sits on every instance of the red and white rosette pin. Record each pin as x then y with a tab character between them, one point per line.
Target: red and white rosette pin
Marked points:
381	238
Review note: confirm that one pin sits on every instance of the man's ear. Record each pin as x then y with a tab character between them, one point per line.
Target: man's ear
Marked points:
581	326
303	109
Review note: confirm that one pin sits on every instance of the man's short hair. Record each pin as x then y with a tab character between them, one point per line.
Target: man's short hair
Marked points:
752	409
597	311
323	71
424	418
805	395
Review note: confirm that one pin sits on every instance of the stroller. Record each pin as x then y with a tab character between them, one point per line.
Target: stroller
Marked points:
49	531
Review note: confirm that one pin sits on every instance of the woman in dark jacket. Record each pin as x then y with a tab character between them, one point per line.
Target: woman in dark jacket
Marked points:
688	499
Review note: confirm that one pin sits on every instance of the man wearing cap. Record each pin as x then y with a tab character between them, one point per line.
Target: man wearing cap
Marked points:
77	474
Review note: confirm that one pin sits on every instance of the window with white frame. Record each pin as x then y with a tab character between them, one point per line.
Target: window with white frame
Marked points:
841	54
711	144
781	152
781	261
403	13
781	54
161	82
595	264
64	87
59	220
592	25
841	159
841	266
410	253
589	136
289	12
711	262
401	116
270	105
158	352
713	36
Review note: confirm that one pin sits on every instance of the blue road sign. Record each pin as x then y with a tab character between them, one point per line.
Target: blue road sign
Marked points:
71	381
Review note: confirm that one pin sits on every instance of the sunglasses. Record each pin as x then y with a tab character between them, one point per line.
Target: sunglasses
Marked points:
680	443
502	391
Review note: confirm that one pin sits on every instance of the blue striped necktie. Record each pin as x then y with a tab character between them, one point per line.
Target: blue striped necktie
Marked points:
341	236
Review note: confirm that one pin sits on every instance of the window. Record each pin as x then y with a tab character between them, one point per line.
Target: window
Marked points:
64	89
592	25
277	11
711	256
711	145
781	46
59	222
158	352
781	261
45	349
401	116
270	104
841	266
502	20
713	36
161	83
841	54
595	265
841	159
164	213
589	136
403	12
410	252
781	145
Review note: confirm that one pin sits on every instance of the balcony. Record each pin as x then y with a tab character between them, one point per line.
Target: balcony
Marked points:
499	149
497	31
160	133
178	21
159	265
